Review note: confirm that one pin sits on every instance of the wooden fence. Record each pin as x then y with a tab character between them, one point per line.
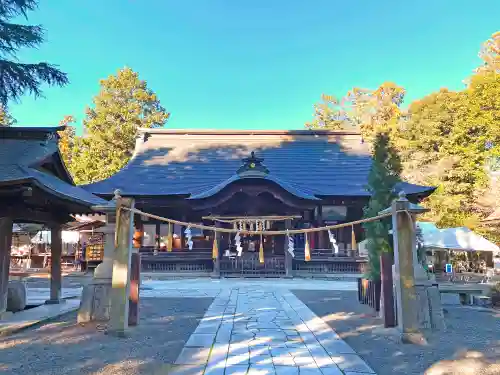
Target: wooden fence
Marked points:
369	292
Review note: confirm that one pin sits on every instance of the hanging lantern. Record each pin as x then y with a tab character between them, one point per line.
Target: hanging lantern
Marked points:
170	239
215	248
268	225
235	225
261	250
354	245
251	226
307	249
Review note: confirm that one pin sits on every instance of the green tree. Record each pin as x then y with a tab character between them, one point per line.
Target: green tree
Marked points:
17	78
328	114
383	177
67	140
124	104
490	54
360	109
452	141
5	117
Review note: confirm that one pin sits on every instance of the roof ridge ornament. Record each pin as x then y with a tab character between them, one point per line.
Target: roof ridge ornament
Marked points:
252	167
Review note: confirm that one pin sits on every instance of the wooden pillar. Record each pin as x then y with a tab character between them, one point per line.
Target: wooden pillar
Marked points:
55	265
135	284
138	233
217	236
319	223
407	308
288	256
158	235
182	236
387	294
120	293
5	246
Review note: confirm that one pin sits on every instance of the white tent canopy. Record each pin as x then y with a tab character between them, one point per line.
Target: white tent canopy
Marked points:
459	239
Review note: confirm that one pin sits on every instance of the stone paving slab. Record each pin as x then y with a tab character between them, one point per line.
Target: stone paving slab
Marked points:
38	296
28	318
213	286
267	331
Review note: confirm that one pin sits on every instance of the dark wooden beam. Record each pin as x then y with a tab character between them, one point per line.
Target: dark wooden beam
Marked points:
253	191
55	264
23	213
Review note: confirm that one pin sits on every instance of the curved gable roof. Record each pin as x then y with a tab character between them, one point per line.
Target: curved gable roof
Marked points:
23	152
197	163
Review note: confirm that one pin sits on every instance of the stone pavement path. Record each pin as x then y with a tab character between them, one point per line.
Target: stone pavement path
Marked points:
263	330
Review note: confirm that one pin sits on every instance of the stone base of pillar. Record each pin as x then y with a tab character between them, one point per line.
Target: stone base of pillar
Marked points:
436	311
55	301
16	296
5	315
95	303
117	332
422	307
413	338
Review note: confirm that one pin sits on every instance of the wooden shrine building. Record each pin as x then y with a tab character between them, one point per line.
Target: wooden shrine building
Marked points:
279	179
35	187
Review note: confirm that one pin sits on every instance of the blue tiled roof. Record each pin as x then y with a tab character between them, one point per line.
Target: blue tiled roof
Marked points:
22	150
199	163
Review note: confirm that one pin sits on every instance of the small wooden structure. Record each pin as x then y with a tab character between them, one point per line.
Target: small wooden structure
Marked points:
316	177
35	187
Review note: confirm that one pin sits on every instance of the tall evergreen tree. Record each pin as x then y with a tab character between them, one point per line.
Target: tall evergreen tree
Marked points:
124	104
384	175
17	78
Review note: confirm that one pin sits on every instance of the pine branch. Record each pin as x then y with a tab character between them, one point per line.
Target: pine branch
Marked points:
13	37
17	79
14	8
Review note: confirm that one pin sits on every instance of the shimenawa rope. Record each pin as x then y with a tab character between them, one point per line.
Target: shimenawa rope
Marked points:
255	232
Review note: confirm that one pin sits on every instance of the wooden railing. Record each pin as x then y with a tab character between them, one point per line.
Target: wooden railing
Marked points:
323	261
249	265
187	261
200	260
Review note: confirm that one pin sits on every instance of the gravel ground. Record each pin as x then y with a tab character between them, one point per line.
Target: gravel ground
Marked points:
64	347
472	331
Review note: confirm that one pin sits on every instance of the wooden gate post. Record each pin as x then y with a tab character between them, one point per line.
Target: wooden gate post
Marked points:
120	293
404	243
387	290
135	285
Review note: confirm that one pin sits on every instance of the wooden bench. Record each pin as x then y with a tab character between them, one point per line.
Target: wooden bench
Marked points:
465	292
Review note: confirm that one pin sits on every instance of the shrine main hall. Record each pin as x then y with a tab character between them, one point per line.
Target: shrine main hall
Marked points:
253	180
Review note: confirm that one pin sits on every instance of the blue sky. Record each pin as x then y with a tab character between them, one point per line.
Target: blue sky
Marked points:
257	64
